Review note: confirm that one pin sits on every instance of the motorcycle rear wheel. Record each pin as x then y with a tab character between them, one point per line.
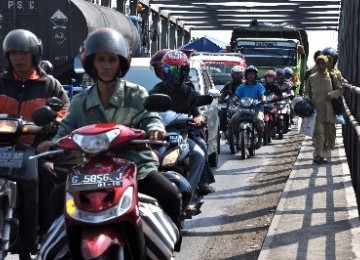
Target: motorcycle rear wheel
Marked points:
251	142
114	253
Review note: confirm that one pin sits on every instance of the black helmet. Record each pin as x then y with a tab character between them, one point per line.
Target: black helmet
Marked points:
23	40
251	68
303	108
46	66
105	40
329	51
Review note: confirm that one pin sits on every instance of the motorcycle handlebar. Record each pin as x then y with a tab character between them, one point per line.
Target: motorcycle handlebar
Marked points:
45	154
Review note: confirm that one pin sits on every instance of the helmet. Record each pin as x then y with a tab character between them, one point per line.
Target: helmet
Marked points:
158	56
331	52
249	69
23	40
156	61
175	67
46	66
288	72
270	73
303	108
237	72
280	72
105	40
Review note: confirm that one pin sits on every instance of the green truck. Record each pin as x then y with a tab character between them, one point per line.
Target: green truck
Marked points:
272	47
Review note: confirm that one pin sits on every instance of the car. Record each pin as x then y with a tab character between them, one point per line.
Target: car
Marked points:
220	64
141	73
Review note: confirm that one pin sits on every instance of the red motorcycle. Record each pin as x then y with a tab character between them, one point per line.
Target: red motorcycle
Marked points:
270	115
105	217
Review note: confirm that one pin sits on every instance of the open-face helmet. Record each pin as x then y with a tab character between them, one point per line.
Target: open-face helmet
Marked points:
237	72
23	40
105	40
329	51
251	68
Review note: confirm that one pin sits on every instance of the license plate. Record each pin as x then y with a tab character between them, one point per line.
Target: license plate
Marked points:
11	159
95	181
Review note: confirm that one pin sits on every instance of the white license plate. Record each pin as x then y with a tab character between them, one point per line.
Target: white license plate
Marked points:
95	181
11	159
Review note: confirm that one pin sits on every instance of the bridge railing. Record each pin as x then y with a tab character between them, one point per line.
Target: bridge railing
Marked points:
351	134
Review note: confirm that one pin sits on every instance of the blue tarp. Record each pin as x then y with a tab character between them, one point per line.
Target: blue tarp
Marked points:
205	44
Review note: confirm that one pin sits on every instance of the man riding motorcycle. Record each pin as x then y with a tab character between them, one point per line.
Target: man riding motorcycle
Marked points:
251	89
175	71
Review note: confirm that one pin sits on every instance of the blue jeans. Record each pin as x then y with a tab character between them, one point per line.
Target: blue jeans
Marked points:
196	165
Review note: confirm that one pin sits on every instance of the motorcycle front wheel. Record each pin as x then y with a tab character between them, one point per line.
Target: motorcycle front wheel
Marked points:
251	141
232	141
243	141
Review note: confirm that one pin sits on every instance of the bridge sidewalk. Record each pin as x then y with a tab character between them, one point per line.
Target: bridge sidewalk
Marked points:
317	216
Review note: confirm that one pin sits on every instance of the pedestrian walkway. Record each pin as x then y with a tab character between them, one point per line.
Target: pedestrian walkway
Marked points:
317	215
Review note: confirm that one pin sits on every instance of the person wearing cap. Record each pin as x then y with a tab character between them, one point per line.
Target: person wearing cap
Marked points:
320	91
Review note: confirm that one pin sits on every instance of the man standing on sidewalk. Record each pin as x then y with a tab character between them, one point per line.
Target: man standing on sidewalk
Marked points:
321	91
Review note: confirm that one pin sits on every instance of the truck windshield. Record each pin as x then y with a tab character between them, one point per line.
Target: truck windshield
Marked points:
275	54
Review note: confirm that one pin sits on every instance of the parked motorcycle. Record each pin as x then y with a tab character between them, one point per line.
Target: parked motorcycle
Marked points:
246	139
19	228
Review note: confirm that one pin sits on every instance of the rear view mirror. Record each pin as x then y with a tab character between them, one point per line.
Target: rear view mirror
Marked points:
158	103
55	104
214	93
43	116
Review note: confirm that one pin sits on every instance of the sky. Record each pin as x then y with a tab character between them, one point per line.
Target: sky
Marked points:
318	40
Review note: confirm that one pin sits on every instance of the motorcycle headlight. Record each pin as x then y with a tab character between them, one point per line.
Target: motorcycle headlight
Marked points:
171	158
8	126
95	143
246	102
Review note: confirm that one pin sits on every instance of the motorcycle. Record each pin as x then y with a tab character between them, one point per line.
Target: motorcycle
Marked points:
270	115
246	139
19	185
283	115
105	216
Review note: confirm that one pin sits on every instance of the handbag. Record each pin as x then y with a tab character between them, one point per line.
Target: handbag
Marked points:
337	103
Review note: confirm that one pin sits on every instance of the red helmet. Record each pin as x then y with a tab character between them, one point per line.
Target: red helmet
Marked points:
105	40
155	61
175	67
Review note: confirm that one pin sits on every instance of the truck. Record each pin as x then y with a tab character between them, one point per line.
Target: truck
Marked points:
269	47
62	26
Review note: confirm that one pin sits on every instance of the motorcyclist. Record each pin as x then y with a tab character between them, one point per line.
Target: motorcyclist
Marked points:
47	66
251	89
23	88
106	58
284	85
237	75
270	85
175	70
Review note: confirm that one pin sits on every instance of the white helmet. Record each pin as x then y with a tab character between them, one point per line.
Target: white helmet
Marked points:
237	69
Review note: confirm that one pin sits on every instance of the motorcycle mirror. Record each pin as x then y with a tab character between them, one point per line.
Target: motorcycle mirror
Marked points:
55	104
158	103
202	100
43	115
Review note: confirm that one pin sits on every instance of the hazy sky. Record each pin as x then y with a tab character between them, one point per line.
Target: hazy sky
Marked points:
318	40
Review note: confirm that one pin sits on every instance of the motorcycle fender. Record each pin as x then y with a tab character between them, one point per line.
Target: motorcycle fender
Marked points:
95	241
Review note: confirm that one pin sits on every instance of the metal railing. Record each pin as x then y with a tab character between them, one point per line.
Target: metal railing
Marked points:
351	134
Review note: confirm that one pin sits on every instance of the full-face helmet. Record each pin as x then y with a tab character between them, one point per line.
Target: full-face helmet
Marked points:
329	51
176	67
105	40
270	76
251	68
303	107
23	40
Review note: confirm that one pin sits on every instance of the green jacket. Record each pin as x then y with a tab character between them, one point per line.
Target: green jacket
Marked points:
126	101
